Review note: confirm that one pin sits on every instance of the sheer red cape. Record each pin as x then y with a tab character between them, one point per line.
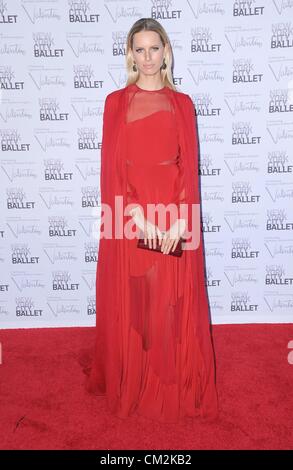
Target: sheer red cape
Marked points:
112	295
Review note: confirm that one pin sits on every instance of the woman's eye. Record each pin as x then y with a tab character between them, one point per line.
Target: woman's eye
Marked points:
138	50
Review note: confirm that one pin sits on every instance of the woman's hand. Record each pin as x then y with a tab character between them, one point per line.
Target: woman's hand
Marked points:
150	231
173	235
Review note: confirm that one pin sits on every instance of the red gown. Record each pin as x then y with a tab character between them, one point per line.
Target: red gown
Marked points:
163	363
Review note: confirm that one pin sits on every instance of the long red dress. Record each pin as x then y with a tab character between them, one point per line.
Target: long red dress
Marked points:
162	365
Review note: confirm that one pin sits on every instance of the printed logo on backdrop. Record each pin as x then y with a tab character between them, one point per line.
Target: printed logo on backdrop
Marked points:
276	275
280	70
214	249
60	175
58	253
243	103
282	35
242	134
82	12
8	80
50	140
238	221
279	101
44	46
210	193
237	275
54	170
18	169
11	141
283	303
62	281
59	306
17	199
280	190
3	288
278	162
119	42
208	224
205	74
90	196
240	39
241	302
278	220
84	77
247	8
202	41
241	248
206	167
49	110
58	226
5	15
21	254
20	227
244	71
90	253
88	139
58	199
280	132
91	305
82	45
25	307
87	169
238	164
14	111
277	247
217	305
241	193
88	108
204	105
210	280
163	10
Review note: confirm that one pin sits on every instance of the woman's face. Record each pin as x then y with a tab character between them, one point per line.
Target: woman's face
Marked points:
148	52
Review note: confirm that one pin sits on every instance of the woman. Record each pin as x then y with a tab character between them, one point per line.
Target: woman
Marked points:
153	352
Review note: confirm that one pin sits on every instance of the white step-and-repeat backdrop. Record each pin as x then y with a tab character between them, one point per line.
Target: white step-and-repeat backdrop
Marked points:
58	61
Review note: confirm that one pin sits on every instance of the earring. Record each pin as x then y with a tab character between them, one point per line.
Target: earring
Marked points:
134	68
164	66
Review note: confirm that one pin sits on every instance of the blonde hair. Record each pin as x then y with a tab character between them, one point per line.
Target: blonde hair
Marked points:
149	24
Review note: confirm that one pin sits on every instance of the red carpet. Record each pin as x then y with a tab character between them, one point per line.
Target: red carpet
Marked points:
43	404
